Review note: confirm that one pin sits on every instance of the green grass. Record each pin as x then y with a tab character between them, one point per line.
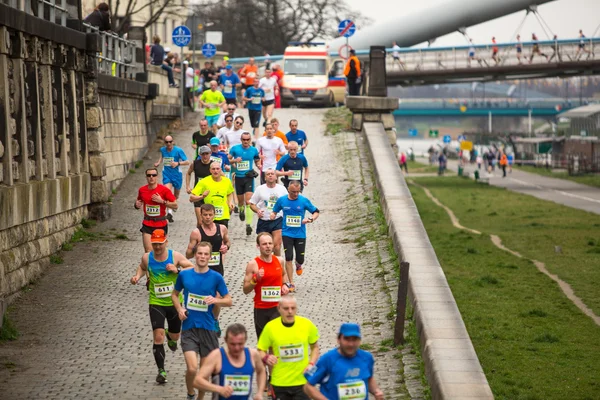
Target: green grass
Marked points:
337	120
532	342
8	330
420	168
587	179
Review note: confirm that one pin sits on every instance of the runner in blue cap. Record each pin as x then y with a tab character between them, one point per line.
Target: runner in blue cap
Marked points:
345	372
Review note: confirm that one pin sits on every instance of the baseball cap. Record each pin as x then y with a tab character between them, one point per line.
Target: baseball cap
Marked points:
204	150
167	49
349	329
158	236
215	141
229	67
186	62
225	58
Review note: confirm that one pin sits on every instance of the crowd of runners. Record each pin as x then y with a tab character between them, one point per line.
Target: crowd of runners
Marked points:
188	290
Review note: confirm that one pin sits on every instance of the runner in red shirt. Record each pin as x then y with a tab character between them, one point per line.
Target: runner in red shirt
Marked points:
265	276
154	199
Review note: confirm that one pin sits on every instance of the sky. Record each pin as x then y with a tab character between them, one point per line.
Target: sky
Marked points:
565	18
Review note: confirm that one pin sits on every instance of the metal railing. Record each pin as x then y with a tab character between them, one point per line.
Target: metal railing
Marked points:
117	55
50	10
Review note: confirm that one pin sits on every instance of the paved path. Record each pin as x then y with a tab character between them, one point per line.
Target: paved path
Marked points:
85	331
560	191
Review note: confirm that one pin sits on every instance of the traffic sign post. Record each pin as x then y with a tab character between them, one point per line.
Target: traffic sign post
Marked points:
209	50
182	36
433	133
413	132
346	28
447	139
461	138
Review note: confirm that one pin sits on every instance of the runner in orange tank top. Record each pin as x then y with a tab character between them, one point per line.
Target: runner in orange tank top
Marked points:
265	276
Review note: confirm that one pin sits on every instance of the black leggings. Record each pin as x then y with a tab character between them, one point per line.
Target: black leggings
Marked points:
291	245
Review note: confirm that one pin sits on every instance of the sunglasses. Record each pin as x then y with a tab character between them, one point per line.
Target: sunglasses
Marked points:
238	123
151	175
228	120
168	141
246	140
231	109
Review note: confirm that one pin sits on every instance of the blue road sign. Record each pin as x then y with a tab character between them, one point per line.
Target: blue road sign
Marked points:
413	132
209	50
346	28
461	138
182	36
447	139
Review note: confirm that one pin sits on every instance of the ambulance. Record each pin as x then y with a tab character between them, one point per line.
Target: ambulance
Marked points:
311	76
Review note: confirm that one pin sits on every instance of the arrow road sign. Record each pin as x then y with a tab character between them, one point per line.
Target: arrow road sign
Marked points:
413	132
209	50
346	28
182	36
447	139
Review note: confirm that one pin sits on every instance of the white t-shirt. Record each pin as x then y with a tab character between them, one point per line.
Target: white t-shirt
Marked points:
234	137
396	50
267	147
221	133
221	121
189	77
265	198
268	85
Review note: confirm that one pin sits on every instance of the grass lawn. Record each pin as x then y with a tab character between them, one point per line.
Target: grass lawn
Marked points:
421	167
533	343
589	179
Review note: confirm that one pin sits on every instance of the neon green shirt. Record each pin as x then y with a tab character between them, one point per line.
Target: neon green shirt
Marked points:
213	99
217	196
291	346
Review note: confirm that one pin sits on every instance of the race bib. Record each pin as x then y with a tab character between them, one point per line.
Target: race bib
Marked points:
228	89
296	175
291	353
268	90
163	290
251	74
243	166
241	384
270	294
167	161
196	303
215	259
219	212
271	204
152	211
216	159
293	221
352	390
256	100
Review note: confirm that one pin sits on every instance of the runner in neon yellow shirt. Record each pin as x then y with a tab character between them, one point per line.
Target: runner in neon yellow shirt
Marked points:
290	337
217	190
212	100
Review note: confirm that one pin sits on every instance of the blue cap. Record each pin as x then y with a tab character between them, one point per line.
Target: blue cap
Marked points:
348	329
229	67
215	141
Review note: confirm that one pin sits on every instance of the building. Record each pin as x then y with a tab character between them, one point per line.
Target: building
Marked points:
583	121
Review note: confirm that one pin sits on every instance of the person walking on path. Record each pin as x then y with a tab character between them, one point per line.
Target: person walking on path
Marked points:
345	372
172	157
233	365
503	163
154	199
162	266
352	71
204	293
403	162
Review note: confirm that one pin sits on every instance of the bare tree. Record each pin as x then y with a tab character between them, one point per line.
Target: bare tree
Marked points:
251	27
123	11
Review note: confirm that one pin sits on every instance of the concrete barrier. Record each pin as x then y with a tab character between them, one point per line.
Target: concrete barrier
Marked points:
451	364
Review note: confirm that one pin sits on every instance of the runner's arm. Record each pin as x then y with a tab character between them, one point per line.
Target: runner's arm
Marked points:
141	269
181	260
208	368
191	249
313	392
230	201
225	301
314	353
156	164
374	388
254	208
249	277
188	178
225	234
176	303
261	373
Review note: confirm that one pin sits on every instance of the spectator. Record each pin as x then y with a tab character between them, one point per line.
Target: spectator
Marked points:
100	17
353	74
157	57
189	84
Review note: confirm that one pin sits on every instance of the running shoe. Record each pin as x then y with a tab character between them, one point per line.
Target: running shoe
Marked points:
218	328
191	396
162	376
170	217
248	230
235	209
242	213
171	343
299	269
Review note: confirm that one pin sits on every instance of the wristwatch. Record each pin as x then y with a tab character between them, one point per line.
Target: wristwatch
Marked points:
179	268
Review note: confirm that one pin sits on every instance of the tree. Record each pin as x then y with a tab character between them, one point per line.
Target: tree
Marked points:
252	27
150	11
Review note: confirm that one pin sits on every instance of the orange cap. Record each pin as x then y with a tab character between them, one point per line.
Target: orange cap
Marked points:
158	236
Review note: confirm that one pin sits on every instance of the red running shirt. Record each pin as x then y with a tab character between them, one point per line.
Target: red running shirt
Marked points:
267	291
153	209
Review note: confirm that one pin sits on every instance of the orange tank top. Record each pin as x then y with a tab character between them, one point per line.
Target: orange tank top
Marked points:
267	291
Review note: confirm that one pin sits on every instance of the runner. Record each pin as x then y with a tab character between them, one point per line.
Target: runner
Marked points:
293	233
265	276
396	56
154	199
215	234
229	82
278	73
472	56
255	97
249	72
230	113
289	336
536	48
345	372
217	190
268	84
233	138
264	198
242	157
162	266
222	133
201	169
200	285
202	137
297	135
519	47
581	46
269	147
234	366
278	133
293	167
495	51
219	156
172	157
208	74
213	101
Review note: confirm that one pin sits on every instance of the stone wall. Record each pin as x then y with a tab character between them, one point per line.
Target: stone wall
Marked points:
166	105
